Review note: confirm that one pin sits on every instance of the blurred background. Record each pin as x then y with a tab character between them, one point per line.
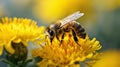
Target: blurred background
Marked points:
101	19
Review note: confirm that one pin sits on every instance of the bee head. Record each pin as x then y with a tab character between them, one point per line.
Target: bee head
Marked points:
50	31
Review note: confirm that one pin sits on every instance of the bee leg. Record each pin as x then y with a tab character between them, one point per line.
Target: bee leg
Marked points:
46	36
57	38
75	37
57	34
62	38
51	39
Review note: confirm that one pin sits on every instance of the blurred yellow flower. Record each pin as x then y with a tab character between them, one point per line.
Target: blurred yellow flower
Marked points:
66	54
52	10
18	30
110	58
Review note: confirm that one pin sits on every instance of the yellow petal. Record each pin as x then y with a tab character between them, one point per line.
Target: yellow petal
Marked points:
42	63
25	43
89	55
17	40
42	28
1	49
9	48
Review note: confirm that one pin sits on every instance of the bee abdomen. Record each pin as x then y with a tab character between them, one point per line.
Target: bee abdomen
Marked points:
80	31
83	35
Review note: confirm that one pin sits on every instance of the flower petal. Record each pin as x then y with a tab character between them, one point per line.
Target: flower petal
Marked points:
1	49
9	48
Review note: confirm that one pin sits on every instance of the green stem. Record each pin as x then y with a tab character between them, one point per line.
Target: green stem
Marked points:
8	62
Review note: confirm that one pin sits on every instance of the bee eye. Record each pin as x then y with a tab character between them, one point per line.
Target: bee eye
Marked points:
51	32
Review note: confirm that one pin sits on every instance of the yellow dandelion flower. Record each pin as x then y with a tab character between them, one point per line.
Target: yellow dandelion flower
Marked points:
68	53
17	30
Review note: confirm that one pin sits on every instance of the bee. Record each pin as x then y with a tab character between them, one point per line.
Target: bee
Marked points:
66	25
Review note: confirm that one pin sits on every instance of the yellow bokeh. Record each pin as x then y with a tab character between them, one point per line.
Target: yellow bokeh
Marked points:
110	58
52	10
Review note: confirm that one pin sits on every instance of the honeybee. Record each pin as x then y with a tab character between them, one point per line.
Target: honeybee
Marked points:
66	25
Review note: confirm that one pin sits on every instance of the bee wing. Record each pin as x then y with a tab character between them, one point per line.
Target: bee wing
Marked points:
71	17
